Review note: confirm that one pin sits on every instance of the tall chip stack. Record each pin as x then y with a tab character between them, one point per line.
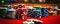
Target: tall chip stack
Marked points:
42	11
55	10
11	13
38	10
45	11
52	11
19	14
22	11
24	15
30	11
34	13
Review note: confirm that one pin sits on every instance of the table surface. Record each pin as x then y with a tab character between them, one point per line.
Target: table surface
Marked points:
46	20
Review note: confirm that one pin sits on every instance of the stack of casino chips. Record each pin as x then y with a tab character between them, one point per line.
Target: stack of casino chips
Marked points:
44	11
3	12
19	14
38	10
55	10
52	10
34	12
11	13
31	12
21	11
24	15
